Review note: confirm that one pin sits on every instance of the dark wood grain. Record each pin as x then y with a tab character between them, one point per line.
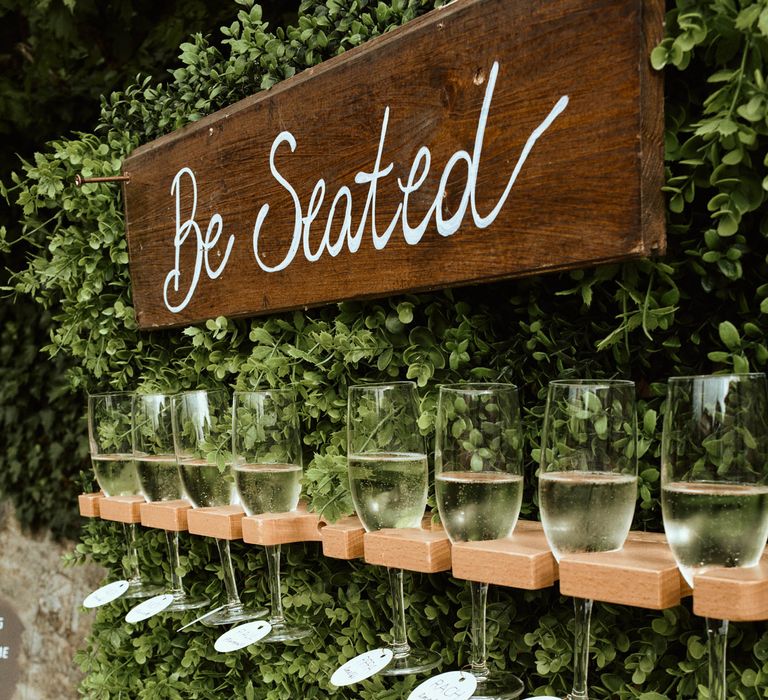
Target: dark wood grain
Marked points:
588	192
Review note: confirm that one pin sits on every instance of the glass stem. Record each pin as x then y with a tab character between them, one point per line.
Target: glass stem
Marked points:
172	540
133	571
478	656
717	637
583	611
399	636
273	563
229	573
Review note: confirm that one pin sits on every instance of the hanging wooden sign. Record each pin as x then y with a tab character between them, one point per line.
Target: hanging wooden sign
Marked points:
488	139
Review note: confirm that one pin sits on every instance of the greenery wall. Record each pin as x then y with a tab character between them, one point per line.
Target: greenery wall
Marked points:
57	57
699	309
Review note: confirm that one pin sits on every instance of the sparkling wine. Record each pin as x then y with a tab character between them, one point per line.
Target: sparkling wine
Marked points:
478	505
268	488
714	524
116	474
389	489
586	511
205	485
159	478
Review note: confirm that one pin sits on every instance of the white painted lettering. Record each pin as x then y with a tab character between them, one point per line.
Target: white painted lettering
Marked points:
5	652
204	244
557	110
413	235
288	137
447	223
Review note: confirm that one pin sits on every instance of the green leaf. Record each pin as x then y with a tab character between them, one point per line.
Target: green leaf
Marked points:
729	335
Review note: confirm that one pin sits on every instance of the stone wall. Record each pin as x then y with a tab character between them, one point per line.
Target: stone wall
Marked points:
46	597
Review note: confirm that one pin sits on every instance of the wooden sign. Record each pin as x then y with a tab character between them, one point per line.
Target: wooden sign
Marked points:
487	139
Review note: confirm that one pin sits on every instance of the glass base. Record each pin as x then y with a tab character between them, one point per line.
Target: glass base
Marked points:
232	615
499	686
138	589
182	601
282	632
415	661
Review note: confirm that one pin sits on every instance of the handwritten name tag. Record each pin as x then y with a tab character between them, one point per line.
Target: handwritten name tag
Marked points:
454	685
361	667
241	636
106	594
148	608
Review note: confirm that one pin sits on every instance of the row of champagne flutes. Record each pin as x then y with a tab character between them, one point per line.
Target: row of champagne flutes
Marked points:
213	450
714	484
714	497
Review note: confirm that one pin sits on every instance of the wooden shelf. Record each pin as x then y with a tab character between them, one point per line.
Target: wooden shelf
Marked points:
121	509
343	539
520	561
412	549
165	515
642	574
88	504
221	522
281	528
738	594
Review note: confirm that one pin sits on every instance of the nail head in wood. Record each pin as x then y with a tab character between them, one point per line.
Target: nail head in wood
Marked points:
165	515
221	522
121	509
408	548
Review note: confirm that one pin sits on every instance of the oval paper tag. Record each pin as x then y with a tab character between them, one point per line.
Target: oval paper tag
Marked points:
106	594
361	667
148	608
457	685
242	635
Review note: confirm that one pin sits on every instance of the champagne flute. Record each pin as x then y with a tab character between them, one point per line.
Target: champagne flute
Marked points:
159	478
266	446
587	481
202	436
479	489
388	480
110	437
714	483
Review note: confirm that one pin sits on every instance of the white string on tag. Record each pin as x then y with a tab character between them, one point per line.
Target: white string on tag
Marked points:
362	666
106	594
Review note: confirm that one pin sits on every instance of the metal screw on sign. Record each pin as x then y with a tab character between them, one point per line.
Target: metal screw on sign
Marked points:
80	180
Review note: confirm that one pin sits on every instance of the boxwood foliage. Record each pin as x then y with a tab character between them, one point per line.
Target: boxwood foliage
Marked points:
699	309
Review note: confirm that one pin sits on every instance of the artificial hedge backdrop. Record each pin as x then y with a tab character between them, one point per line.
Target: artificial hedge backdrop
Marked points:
701	308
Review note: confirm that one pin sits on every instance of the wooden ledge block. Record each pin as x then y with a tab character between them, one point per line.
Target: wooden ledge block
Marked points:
408	548
520	561
282	528
221	522
643	574
343	539
165	515
88	503
738	594
121	509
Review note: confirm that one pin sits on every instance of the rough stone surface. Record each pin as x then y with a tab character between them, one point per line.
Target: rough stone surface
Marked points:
46	597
